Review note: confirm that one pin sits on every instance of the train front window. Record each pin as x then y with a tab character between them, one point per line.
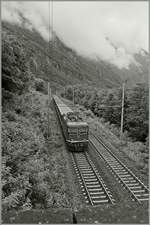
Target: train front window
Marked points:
78	132
72	130
83	130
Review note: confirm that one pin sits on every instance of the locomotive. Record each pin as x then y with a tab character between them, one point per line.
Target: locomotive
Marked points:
75	130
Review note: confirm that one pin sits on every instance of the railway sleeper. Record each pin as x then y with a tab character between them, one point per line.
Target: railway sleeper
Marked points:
138	191
138	195
100	201
112	163
144	199
97	193
94	190
127	178
142	196
89	173
124	175
89	177
94	186
81	163
109	160
99	197
116	167
93	193
81	159
84	167
91	182
135	187
130	181
120	170
89	170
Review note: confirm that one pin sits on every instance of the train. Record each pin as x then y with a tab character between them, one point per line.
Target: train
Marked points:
75	130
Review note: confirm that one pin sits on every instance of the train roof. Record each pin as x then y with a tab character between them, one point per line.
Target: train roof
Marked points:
64	110
76	124
69	115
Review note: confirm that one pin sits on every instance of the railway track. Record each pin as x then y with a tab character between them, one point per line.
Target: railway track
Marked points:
139	192
92	185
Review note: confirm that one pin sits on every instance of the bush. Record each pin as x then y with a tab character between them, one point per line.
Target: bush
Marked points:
39	195
58	144
15	76
88	113
11	116
40	85
20	142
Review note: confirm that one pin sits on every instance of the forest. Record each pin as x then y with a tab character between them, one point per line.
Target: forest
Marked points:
107	103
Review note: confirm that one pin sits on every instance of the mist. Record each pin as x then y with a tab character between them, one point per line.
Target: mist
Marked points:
112	31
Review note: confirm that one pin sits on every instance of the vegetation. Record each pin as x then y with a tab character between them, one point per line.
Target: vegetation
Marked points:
63	66
33	171
125	148
107	104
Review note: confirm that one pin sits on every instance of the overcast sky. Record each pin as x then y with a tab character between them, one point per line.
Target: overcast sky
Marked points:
113	31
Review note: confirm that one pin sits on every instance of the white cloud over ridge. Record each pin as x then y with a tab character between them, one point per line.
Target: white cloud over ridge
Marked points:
113	31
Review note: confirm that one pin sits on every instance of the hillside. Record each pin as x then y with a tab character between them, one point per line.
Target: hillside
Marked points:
63	66
35	172
34	165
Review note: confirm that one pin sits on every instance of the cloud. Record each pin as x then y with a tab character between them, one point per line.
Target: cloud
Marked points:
113	31
37	13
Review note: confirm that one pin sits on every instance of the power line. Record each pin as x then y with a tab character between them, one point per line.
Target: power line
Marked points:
109	106
122	110
50	26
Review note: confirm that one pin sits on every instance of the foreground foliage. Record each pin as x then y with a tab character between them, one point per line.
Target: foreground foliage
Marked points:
32	170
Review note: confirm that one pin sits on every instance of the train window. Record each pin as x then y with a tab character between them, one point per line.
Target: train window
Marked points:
72	130
83	130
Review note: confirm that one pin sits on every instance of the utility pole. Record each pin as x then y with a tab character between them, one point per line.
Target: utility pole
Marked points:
49	99
50	8
122	110
65	93
73	96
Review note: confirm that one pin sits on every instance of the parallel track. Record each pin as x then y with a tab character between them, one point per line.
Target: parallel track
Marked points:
92	185
139	192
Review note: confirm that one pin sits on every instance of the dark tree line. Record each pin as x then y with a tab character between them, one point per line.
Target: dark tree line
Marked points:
107	104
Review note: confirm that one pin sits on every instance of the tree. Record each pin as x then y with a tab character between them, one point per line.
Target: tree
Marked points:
15	76
137	113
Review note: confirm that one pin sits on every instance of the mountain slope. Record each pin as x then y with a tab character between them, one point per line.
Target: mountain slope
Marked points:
63	66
